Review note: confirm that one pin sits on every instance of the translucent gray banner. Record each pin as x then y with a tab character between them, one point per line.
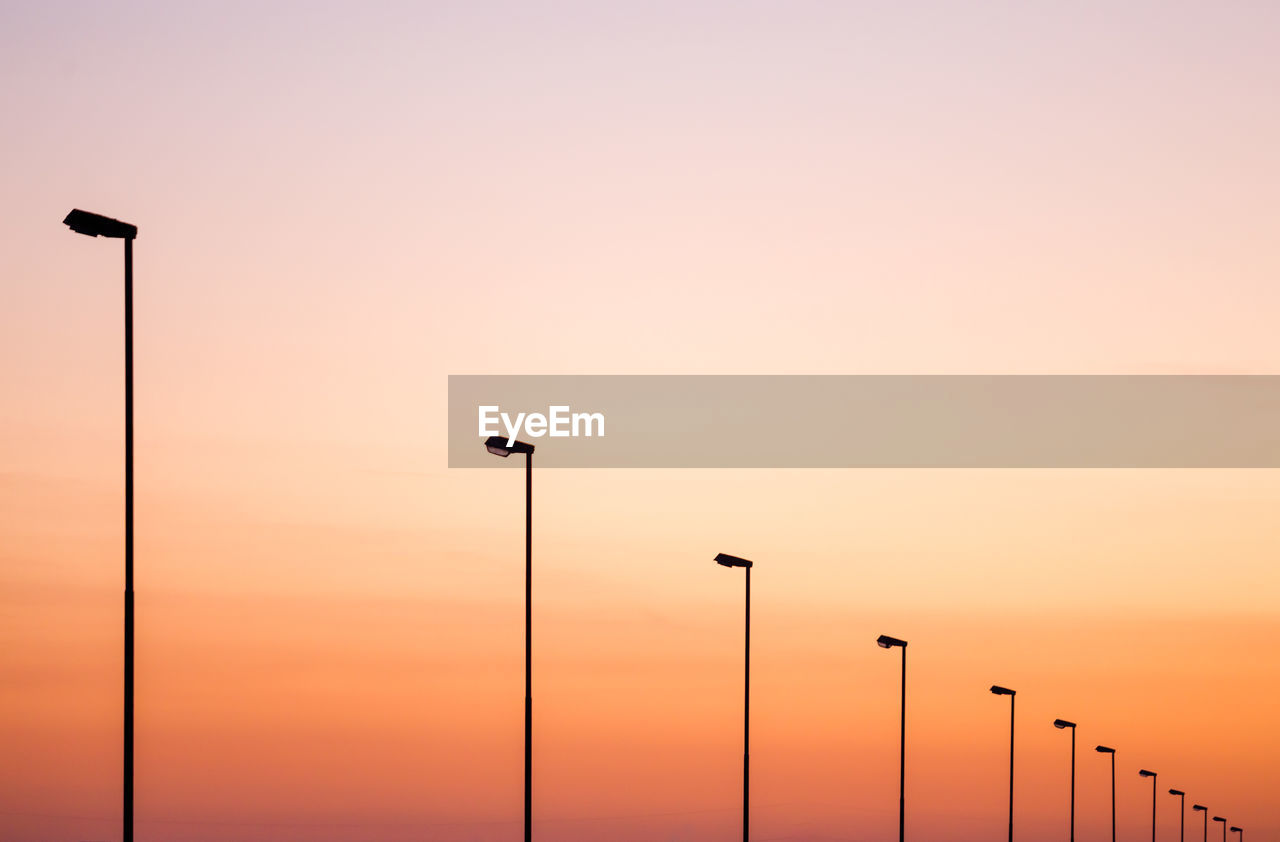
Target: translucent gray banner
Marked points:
916	421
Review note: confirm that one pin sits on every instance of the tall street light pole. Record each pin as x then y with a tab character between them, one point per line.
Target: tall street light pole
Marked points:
886	642
726	560
1224	826
1112	752
1060	724
1152	775
1182	814
1238	830
1200	808
1012	694
96	225
498	446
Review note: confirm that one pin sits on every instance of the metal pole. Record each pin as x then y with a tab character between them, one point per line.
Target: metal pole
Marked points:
128	539
1154	789
1073	783
902	755
746	720
1113	797
528	647
1012	703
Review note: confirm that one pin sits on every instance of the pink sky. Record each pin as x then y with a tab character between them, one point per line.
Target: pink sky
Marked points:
341	205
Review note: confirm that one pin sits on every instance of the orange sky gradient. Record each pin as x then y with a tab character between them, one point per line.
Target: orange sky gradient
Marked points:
339	206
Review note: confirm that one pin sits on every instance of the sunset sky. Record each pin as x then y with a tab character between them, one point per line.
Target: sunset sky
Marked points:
342	204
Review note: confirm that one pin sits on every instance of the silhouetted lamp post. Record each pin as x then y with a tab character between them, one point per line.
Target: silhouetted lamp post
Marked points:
727	560
1182	814
1112	752
1012	694
95	225
1200	808
497	445
1060	724
1238	830
1152	775
1224	826
886	642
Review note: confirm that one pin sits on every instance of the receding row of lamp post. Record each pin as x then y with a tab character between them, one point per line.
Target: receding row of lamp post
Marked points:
96	225
1062	724
500	446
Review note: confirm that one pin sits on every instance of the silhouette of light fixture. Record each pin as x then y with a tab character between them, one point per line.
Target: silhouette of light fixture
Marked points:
1061	724
1238	830
1013	697
1182	814
726	560
884	641
97	225
1146	773
1112	752
1224	826
1200	808
498	446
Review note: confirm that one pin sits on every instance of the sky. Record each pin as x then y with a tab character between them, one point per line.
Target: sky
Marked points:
339	205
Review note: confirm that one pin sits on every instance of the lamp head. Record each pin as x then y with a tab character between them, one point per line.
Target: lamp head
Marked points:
97	225
1002	691
1105	750
886	642
1177	792
1219	819
1235	829
726	560
1146	773
1199	808
497	445
1062	723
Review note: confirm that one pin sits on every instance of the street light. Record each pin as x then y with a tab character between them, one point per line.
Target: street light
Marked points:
1224	826
1238	830
499	446
1200	808
1182	814
726	560
1144	773
1112	752
1061	724
96	225
1012	694
886	642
